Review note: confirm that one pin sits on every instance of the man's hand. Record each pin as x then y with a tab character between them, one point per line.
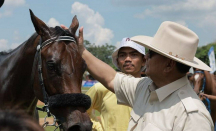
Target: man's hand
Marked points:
80	39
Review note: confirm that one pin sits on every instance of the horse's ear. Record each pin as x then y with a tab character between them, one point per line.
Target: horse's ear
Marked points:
74	25
41	28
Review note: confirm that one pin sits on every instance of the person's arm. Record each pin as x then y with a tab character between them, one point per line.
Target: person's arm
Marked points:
211	97
97	68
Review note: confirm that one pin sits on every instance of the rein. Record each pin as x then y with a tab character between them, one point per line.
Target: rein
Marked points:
45	95
208	106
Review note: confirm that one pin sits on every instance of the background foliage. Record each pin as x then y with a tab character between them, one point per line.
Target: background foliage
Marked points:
202	52
103	52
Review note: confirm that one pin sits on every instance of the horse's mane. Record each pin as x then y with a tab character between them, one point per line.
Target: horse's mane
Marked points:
58	31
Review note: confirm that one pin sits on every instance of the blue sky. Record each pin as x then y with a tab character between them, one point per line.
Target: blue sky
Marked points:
107	21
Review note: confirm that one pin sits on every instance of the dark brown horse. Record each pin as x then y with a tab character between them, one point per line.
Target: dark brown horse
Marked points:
47	67
204	83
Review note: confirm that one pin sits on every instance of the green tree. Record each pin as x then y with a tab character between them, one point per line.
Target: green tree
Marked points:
202	52
102	52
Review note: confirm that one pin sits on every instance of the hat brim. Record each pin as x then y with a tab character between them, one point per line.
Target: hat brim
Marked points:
196	63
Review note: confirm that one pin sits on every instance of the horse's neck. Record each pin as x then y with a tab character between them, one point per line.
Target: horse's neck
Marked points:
16	69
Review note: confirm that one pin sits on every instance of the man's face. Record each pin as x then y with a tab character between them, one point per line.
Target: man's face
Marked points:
155	64
130	61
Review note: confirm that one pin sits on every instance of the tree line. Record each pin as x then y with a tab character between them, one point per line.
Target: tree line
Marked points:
202	52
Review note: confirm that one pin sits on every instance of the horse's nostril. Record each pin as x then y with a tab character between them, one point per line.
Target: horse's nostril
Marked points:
74	128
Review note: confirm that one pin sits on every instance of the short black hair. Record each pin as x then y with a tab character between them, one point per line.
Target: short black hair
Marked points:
182	68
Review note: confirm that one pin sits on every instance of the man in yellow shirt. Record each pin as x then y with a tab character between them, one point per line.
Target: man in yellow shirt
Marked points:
129	59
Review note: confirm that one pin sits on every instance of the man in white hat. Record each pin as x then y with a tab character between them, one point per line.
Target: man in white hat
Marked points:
165	100
129	59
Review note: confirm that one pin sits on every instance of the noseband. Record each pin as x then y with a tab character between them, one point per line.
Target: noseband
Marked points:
84	99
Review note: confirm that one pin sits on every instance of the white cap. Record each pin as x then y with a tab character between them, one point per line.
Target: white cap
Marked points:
126	42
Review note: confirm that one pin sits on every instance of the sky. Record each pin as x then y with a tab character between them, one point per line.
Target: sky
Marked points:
107	21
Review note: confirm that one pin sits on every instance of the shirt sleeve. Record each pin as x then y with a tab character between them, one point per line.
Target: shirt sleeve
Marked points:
198	122
125	88
195	121
96	93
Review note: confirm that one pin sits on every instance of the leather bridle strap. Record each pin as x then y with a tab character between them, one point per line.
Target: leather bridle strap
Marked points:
38	57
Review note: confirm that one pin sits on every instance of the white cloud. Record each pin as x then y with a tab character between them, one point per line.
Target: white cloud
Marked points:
14	45
93	24
10	6
53	22
5	46
14	3
200	12
6	13
182	23
140	2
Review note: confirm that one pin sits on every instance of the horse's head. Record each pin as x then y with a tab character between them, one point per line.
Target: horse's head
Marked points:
58	83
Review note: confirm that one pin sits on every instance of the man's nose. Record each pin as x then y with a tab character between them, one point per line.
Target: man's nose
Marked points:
128	58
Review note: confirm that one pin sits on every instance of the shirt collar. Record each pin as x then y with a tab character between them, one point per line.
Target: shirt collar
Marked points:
164	91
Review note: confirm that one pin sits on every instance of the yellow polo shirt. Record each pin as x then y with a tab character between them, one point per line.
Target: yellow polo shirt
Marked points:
173	107
113	117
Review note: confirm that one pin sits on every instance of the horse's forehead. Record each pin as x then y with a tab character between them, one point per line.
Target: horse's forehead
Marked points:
61	49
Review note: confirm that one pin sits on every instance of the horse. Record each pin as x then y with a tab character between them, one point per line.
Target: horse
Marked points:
49	68
205	85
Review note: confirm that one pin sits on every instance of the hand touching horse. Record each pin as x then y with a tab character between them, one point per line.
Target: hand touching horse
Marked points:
47	67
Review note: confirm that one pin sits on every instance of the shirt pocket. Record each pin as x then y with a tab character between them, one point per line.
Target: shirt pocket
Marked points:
150	127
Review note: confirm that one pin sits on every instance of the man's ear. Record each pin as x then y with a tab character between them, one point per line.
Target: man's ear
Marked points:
169	65
117	62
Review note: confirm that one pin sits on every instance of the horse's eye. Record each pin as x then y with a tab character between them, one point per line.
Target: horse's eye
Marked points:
51	66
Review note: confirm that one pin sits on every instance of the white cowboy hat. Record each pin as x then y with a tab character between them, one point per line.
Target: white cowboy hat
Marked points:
176	42
126	42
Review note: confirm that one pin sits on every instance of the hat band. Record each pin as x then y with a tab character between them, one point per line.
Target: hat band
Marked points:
174	54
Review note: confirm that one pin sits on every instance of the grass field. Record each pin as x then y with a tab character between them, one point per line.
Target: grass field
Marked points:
43	114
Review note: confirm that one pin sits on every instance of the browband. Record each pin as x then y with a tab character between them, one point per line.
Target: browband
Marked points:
60	38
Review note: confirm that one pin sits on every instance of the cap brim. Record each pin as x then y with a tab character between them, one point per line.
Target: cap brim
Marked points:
195	63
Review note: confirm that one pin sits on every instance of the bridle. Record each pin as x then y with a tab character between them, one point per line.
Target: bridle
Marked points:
41	82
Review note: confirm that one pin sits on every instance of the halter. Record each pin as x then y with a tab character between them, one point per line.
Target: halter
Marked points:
38	53
208	106
45	95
